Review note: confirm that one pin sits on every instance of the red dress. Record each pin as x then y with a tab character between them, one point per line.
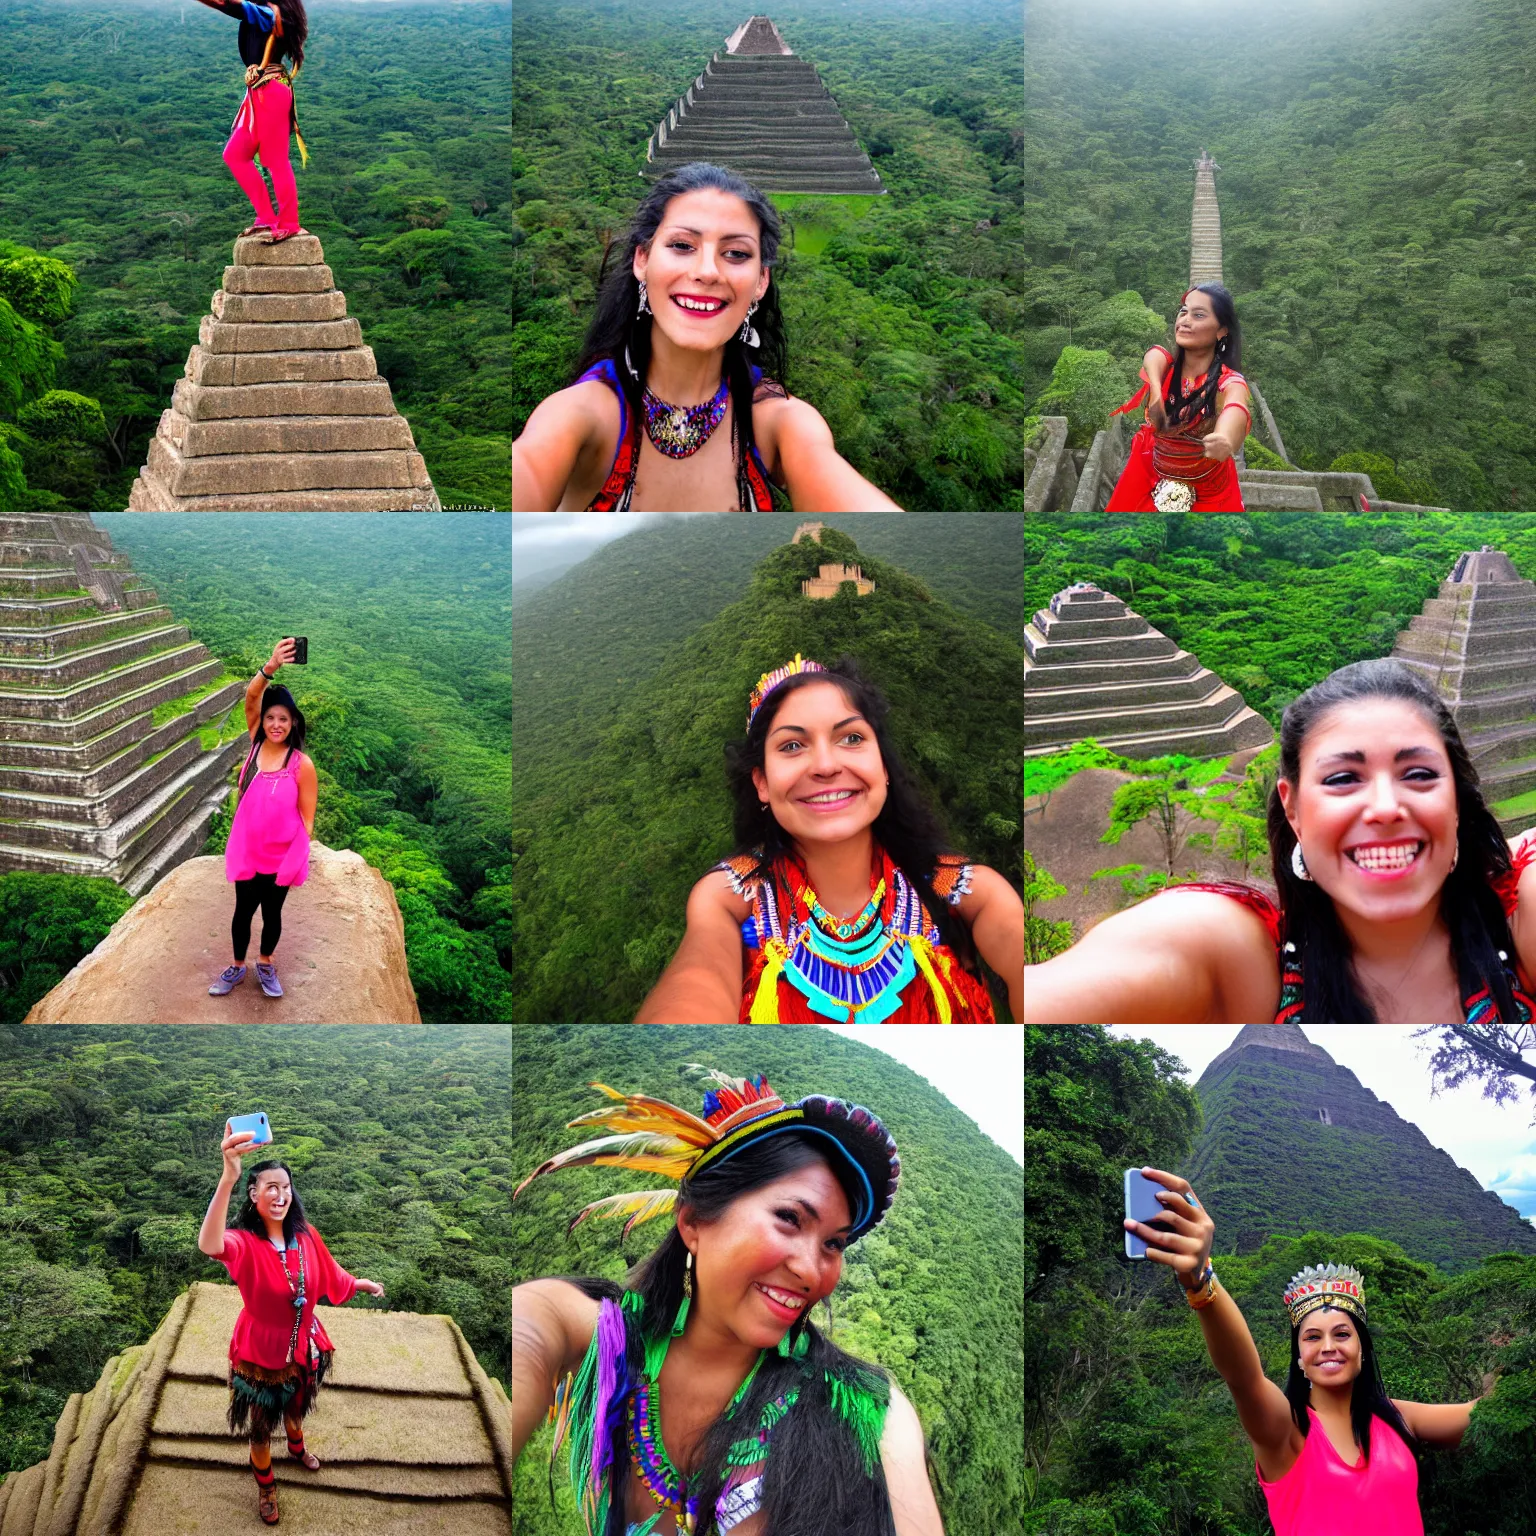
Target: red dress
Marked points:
265	1325
1177	455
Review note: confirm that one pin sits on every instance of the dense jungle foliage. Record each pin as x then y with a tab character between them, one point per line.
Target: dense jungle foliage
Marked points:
905	313
1129	1431
618	813
121	216
1378	202
406	700
933	1294
109	1155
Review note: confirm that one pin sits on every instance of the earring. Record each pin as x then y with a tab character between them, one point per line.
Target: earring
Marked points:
748	331
1299	864
645	308
1455	856
634	372
682	1310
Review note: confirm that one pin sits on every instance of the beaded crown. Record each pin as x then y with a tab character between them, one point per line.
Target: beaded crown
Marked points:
1325	1285
771	680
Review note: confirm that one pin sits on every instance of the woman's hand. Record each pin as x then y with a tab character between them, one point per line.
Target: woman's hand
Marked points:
1186	1246
1217	447
372	1287
282	653
234	1148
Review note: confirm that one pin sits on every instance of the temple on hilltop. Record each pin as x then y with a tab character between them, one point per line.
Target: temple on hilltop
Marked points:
762	112
811	532
1475	643
90	782
1092	667
831	577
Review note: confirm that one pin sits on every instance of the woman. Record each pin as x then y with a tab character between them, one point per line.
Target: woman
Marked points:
1182	459
842	901
268	848
279	1353
699	1396
1400	901
1332	1451
688	341
267	113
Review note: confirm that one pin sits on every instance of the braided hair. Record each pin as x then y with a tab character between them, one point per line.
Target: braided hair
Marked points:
1201	403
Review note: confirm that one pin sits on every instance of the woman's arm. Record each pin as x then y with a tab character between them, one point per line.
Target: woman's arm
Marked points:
1182	957
913	1506
1438	1423
309	788
544	456
996	914
282	653
702	985
1154	369
1233	419
819	478
552	1325
1522	926
210	1238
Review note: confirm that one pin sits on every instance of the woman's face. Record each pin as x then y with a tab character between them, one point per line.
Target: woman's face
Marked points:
272	1194
771	1256
703	269
1196	326
1329	1347
277	722
1374	808
822	774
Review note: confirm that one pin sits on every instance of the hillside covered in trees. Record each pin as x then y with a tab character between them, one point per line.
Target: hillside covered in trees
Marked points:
1378	203
619	795
904	313
109	1155
934	1294
120	216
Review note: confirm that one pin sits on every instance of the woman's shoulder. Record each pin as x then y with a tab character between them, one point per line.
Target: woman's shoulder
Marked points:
732	884
1231	379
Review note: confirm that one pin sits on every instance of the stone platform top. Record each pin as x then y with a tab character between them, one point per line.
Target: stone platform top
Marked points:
757	34
1483	565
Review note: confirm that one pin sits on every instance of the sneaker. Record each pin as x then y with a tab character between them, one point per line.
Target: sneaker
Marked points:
267	976
229	979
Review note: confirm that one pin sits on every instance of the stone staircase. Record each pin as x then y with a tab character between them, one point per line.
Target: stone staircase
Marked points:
767	116
1093	667
89	784
1475	642
282	408
1205	225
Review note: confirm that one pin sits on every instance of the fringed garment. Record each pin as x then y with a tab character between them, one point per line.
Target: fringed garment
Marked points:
260	1399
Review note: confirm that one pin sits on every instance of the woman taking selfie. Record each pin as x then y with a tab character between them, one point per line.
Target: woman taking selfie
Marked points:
279	1353
268	848
843	901
1333	1452
1400	900
699	1396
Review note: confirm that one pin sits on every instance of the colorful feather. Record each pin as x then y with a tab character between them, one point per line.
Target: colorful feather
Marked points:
638	1207
637	1112
645	1151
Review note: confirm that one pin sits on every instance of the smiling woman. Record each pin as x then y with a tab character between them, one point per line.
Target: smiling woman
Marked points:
1400	902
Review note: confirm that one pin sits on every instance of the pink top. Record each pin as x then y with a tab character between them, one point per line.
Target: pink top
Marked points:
1376	1497
267	1281
268	836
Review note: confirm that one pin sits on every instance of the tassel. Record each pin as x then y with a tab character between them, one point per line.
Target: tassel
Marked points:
584	1407
861	1404
303	148
765	1005
923	953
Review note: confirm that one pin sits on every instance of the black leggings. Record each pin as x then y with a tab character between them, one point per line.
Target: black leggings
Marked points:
259	891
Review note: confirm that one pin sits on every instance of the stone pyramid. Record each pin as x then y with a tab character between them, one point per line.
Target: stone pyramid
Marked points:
282	408
1094	668
1476	643
90	784
762	112
413	1437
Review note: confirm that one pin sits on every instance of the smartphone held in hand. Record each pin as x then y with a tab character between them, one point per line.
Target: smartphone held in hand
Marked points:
257	1122
1141	1204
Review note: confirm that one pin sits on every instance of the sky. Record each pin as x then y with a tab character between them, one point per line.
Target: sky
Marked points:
1496	1144
544	541
979	1068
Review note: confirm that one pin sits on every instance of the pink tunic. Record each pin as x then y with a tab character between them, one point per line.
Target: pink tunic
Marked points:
1377	1497
268	836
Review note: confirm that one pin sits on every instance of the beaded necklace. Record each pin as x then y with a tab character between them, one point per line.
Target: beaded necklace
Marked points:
297	1292
679	431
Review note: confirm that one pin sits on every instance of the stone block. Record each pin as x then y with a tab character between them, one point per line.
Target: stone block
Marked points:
219	474
265	308
320	335
230	369
203	402
286	434
150	495
300	251
316	279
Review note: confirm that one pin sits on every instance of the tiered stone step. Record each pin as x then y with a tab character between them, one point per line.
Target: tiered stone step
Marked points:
1093	667
282	407
88	783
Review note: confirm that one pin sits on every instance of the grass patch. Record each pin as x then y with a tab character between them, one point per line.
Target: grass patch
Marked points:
189	701
1518	806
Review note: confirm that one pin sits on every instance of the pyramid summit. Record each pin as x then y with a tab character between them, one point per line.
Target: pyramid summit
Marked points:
282	407
759	110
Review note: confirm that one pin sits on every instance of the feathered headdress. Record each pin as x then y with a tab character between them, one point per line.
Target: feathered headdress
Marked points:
656	1137
771	680
1327	1285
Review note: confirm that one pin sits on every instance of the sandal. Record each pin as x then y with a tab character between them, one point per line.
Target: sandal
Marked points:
253	229
308	1458
266	1505
278	236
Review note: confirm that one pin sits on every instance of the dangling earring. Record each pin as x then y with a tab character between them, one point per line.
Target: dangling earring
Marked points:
748	330
682	1310
1455	856
634	372
1299	864
645	308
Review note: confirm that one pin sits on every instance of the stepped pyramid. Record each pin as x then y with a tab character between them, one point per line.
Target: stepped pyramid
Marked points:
765	114
413	1437
1476	644
89	784
1094	668
282	408
1283	1120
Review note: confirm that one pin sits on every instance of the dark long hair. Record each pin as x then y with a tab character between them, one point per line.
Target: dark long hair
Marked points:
1469	903
814	1483
907	827
274	696
618	325
1183	408
1368	1399
295	29
249	1219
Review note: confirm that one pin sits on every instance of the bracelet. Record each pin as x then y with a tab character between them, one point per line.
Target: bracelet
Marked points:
1203	1292
263	670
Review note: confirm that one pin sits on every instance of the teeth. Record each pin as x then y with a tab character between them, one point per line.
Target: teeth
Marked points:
706	309
829	796
784	1298
1399	856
